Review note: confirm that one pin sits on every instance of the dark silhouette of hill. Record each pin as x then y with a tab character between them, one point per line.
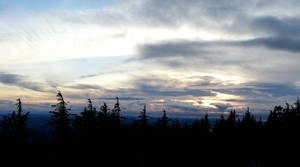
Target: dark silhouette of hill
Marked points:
102	136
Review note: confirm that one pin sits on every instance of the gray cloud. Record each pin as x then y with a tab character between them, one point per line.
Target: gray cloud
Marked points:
203	13
164	86
222	107
256	89
173	49
261	96
232	16
187	108
284	27
276	89
257	58
161	91
184	49
277	43
85	86
20	81
121	98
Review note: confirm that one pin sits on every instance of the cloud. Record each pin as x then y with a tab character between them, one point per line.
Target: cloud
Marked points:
173	49
232	57
198	49
261	97
19	81
284	27
277	43
187	108
161	91
276	89
222	107
164	86
257	89
245	48
85	86
121	98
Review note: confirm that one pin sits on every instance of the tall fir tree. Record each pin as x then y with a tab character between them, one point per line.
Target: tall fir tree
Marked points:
86	121
116	118
104	116
143	118
14	126
164	121
21	119
60	119
205	124
104	110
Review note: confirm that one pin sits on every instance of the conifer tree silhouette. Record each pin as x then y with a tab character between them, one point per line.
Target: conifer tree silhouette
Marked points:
260	122
104	110
14	126
116	118
219	125
205	123
143	118
248	120
60	119
104	116
164	121
87	119
21	121
297	106
273	121
230	123
201	126
231	120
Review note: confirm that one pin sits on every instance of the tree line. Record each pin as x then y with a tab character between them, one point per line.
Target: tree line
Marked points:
245	141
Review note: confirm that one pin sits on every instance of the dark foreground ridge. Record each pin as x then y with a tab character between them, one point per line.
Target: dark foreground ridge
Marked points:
98	137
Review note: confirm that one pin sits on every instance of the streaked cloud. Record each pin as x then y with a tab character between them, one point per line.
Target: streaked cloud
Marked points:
20	81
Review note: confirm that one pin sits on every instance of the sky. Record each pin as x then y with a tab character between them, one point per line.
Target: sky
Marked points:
190	57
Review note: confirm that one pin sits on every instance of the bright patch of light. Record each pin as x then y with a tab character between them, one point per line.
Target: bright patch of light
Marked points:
209	103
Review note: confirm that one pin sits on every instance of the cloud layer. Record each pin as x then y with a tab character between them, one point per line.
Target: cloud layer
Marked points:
193	56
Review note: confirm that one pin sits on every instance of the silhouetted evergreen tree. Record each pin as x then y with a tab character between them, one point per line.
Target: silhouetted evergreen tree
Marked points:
248	120
115	115
21	120
86	121
231	120
201	126
230	123
274	118
143	118
14	126
164	121
104	110
60	119
206	124
260	123
297	106
219	125
104	116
